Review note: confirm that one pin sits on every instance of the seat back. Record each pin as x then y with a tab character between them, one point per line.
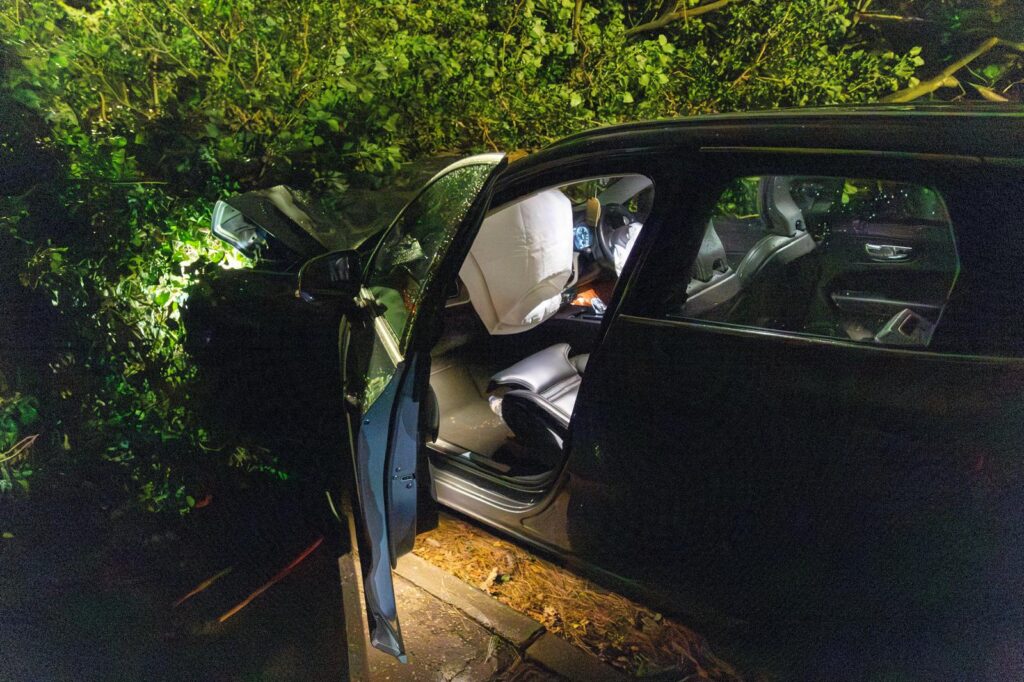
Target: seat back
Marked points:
771	280
786	237
712	281
520	263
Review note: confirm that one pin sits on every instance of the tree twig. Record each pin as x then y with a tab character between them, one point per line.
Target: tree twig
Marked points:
18	449
933	84
195	31
877	17
280	575
683	12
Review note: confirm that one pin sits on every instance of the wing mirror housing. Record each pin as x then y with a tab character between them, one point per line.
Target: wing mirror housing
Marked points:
331	275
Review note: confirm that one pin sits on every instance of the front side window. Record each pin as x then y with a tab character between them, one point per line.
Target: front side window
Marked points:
871	261
417	241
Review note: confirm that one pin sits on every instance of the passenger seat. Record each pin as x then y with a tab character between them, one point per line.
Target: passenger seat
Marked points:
537	396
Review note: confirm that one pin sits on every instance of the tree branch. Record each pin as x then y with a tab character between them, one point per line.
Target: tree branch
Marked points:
933	84
678	13
877	17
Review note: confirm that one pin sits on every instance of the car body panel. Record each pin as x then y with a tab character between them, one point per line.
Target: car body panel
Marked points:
791	483
818	490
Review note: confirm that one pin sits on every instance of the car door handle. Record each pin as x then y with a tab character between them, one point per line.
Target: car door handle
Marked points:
887	252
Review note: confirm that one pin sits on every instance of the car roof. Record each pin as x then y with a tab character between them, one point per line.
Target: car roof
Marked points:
978	130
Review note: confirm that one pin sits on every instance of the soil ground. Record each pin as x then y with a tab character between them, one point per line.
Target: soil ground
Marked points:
89	593
84	596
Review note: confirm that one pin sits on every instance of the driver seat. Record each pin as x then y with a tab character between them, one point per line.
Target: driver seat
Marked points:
537	397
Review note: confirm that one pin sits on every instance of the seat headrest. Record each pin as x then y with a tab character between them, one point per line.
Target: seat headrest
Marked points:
780	212
711	257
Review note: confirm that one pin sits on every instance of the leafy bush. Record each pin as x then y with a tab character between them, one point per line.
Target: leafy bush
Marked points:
17	414
147	110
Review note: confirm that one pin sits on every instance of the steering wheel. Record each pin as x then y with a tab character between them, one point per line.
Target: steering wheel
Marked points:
613	217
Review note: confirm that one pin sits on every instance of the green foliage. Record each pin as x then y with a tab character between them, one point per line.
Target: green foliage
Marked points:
153	108
17	415
260	90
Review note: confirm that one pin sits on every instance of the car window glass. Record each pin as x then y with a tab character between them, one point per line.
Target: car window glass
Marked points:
871	261
417	240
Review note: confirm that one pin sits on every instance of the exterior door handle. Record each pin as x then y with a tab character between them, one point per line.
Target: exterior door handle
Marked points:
887	252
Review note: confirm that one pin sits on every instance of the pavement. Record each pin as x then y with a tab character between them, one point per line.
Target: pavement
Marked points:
455	632
85	597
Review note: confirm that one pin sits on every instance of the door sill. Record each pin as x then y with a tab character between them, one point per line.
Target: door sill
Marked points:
480	471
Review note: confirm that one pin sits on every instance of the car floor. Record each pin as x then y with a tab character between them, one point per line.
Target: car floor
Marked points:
462	363
467	421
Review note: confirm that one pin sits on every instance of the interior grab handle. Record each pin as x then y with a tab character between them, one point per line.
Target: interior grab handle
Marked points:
887	252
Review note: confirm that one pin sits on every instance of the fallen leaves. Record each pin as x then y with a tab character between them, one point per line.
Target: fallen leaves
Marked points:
618	630
489	580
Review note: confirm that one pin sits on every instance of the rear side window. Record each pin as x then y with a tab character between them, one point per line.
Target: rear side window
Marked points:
872	261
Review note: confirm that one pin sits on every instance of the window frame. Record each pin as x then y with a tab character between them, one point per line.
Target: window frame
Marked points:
661	253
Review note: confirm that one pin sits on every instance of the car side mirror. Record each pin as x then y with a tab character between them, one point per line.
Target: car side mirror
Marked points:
332	275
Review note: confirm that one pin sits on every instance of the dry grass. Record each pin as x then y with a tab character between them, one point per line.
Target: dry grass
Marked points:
618	630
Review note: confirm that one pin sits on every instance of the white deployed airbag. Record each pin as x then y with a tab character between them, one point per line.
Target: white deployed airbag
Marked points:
520	262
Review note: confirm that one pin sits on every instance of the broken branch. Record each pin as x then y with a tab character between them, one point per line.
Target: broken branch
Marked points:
273	581
676	14
933	84
876	17
203	586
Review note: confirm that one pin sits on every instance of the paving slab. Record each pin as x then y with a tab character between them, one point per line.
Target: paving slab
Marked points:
454	632
511	625
441	643
558	655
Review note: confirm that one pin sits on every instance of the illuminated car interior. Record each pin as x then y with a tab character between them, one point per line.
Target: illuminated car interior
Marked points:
523	317
865	261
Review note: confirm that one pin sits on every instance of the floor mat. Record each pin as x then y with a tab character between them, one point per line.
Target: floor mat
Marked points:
466	419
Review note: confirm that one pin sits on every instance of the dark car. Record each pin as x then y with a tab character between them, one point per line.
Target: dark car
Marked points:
763	368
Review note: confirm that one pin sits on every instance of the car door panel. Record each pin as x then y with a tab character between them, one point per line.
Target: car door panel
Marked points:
407	436
847	507
386	373
371	494
886	257
781	476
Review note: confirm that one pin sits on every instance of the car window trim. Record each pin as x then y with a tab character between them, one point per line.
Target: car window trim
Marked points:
976	161
725	328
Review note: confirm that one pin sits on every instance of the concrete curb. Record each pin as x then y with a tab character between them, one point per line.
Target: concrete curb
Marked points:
526	634
477	604
558	656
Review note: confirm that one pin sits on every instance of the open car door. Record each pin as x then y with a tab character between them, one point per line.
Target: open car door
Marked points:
386	370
